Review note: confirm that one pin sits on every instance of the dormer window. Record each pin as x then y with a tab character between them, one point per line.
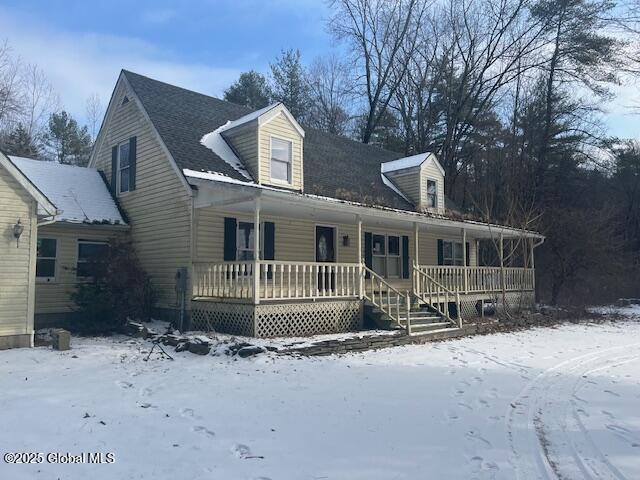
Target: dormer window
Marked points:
432	194
281	160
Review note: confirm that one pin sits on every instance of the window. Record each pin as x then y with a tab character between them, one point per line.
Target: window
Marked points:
244	242
452	253
89	252
46	259
394	268
280	160
124	169
386	255
379	255
432	194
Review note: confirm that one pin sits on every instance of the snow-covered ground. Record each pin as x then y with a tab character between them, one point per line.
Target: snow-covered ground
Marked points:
543	403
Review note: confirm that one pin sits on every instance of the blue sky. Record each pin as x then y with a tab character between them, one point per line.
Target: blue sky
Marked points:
199	44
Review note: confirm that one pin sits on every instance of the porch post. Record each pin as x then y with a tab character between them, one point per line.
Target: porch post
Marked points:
359	253
256	252
533	267
416	259
502	284
464	260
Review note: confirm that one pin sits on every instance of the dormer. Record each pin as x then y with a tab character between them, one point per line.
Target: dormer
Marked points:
420	179
269	142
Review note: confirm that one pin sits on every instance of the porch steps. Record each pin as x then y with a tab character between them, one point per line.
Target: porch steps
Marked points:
423	319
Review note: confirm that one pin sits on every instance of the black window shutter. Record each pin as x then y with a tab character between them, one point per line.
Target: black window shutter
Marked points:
405	256
269	244
114	170
368	253
132	163
230	230
466	249
440	253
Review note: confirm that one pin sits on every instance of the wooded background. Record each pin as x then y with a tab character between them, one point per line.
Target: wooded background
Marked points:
509	94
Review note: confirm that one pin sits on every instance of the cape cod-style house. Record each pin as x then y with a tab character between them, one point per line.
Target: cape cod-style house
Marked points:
276	229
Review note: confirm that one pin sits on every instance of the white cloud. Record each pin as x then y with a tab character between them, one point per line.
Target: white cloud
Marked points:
80	64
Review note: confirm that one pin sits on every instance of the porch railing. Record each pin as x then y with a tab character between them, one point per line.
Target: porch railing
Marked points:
276	280
439	296
393	302
280	280
481	279
308	280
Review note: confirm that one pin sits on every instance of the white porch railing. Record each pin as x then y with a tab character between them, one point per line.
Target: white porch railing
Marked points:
280	280
308	280
480	279
277	280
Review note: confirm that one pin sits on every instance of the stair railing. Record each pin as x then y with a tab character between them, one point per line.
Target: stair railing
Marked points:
430	291
377	290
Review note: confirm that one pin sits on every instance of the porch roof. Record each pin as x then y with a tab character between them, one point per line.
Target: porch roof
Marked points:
215	189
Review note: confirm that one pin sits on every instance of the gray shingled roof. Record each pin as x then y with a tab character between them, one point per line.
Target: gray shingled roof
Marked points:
333	166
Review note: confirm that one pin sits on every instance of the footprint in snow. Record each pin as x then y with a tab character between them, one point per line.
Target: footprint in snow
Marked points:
610	415
203	430
240	451
466	405
611	393
123	384
145	392
582	412
451	415
146	405
473	435
186	412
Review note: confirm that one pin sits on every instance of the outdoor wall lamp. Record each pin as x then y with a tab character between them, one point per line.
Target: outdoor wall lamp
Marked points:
345	241
18	228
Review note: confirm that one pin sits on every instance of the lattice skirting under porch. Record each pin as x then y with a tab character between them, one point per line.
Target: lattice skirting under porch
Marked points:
515	301
277	320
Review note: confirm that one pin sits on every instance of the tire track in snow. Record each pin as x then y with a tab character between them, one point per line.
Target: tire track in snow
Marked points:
545	402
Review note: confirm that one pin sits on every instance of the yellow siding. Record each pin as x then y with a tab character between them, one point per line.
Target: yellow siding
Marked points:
408	181
54	296
159	210
244	142
280	127
15	260
430	171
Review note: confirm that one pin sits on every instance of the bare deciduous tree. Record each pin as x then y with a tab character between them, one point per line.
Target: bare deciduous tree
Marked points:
381	35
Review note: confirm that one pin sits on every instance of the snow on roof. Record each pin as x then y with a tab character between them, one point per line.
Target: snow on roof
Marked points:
79	192
410	162
249	116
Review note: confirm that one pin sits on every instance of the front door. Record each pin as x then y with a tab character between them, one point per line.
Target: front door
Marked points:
325	253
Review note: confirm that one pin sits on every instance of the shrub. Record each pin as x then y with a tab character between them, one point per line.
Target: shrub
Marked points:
117	289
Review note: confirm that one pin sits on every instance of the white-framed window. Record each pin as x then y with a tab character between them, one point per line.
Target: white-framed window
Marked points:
244	242
386	255
452	253
281	160
47	253
124	168
394	260
432	193
379	254
89	252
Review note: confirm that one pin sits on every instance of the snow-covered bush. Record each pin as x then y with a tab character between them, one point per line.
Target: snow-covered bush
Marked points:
117	289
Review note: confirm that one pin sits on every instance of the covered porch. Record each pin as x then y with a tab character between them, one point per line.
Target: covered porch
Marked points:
314	250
